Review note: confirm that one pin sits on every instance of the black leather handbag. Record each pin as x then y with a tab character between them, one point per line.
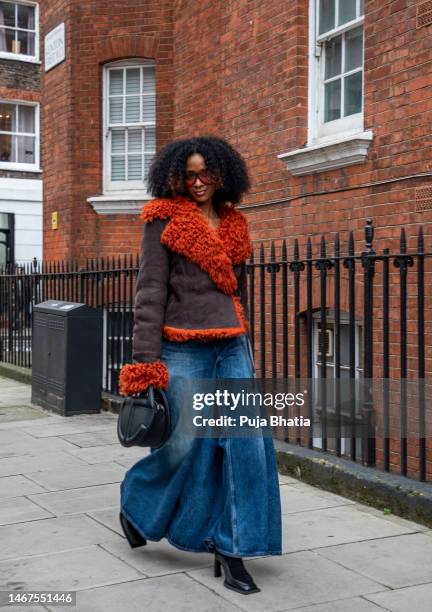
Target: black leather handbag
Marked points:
144	420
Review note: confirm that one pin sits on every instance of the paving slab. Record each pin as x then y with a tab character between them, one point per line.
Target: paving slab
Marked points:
292	581
24	464
410	599
59	428
52	535
108	435
16	608
76	501
73	570
284	479
384	561
84	475
20	509
28	423
9	413
301	497
109	517
354	604
17	445
175	593
15	486
330	526
158	558
109	452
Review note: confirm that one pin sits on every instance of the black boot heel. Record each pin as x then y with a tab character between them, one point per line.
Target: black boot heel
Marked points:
237	578
134	538
217	569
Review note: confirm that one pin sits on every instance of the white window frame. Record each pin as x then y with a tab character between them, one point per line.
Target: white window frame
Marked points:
20	166
136	189
318	131
19	56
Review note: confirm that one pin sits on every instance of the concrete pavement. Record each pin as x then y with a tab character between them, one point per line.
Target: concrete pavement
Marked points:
59	530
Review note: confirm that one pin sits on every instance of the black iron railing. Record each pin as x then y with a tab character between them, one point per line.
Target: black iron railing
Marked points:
324	311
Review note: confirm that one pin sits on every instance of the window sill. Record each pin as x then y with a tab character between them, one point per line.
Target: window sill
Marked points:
17	57
15	167
337	153
121	203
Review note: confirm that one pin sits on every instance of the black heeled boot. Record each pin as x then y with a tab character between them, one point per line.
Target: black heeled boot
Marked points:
134	538
237	578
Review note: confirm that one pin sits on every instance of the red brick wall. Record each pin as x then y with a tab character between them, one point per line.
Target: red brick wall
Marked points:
97	32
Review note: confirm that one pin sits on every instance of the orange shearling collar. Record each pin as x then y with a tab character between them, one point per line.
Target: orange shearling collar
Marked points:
188	233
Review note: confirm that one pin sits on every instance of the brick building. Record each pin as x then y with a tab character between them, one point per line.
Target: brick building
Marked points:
20	172
329	101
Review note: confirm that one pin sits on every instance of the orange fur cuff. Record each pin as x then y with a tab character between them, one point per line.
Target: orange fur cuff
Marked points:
136	377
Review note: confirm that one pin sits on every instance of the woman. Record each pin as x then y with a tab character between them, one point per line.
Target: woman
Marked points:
216	495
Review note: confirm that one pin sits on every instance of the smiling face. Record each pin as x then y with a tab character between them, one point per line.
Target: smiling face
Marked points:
200	192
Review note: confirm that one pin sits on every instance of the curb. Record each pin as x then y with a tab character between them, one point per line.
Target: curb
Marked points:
402	496
24	375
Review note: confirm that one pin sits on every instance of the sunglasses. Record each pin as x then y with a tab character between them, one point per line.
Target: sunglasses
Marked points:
205	176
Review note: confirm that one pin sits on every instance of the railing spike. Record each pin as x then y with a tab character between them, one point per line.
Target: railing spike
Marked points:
420	240
351	243
403	242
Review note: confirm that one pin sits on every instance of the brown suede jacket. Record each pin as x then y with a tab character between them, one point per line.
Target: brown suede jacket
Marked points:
191	284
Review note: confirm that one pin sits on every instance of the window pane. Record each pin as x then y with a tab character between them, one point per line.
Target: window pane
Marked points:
148	80
149	108
333	57
116	82
344	345
135	167
8	117
326	15
6	148
332	101
132	109
7	14
116	110
347	11
361	7
25	149
353	93
118	142
4	223
26	119
147	161
150	140
133	81
7	41
134	141
353	49
3	252
26	17
26	43
118	169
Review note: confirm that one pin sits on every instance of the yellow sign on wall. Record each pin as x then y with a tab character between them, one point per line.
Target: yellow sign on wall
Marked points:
54	220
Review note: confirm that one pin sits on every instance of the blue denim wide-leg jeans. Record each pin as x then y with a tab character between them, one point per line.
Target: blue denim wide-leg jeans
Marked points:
204	494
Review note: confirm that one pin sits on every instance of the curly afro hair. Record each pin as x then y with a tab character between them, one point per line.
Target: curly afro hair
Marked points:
166	174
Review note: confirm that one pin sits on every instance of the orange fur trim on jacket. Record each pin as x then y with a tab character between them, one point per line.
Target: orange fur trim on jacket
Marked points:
136	377
177	334
188	233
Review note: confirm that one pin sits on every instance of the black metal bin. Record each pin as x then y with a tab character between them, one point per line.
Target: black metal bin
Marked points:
67	357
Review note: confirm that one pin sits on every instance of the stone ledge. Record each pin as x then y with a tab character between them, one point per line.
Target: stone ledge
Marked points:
118	204
329	155
404	496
